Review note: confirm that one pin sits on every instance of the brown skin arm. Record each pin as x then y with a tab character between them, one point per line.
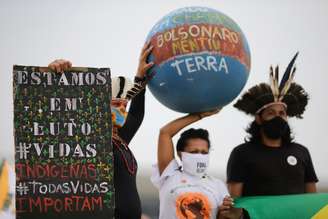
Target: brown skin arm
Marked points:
235	189
165	151
310	187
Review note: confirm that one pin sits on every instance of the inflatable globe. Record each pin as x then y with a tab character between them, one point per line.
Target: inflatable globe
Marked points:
202	60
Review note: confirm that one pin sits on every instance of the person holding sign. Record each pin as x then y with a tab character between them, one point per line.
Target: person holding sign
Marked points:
187	191
125	126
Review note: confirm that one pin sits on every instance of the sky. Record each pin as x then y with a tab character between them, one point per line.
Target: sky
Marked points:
106	33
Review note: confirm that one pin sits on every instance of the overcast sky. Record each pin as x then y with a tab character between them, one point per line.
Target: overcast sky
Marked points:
111	34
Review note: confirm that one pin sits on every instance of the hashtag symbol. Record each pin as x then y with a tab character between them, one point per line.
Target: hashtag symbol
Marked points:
22	149
22	188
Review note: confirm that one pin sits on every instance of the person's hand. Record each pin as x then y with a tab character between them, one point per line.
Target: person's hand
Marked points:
60	65
227	211
143	65
209	113
226	204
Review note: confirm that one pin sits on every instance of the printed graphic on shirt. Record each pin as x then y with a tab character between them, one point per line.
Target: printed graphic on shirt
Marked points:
192	205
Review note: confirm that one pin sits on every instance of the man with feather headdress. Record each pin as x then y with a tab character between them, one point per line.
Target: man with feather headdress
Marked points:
270	162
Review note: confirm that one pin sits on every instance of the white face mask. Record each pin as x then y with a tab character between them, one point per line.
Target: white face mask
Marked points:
195	164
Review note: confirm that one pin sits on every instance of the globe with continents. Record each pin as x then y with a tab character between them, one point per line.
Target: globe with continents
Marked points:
202	60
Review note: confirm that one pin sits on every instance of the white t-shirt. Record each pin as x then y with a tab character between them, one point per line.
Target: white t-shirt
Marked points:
186	196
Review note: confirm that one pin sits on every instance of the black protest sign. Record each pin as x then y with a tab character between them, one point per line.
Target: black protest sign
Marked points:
64	160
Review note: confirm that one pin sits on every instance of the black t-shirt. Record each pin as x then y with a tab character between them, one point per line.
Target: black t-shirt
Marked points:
267	170
127	201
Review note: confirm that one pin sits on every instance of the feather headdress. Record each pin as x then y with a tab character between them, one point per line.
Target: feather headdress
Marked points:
287	93
123	88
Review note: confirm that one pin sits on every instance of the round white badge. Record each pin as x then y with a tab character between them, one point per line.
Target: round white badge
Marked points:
291	160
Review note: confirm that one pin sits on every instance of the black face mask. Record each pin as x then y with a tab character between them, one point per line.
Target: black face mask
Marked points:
275	128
